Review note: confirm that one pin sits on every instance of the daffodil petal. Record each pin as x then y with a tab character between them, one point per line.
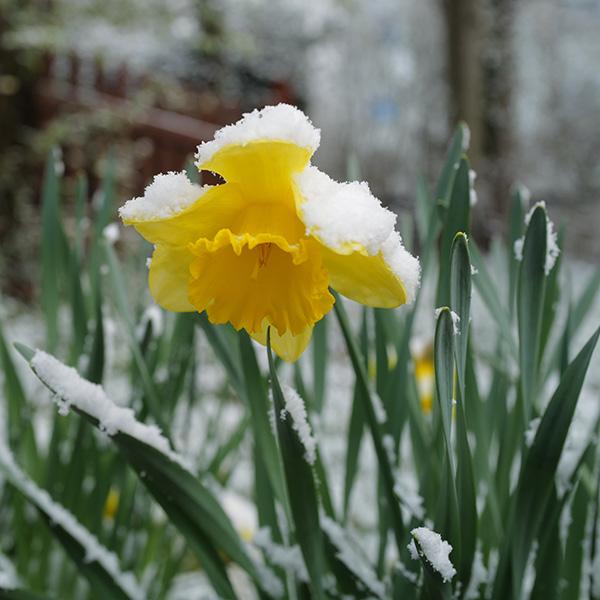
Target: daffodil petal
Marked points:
386	280
244	280
175	211
282	123
361	250
287	346
168	277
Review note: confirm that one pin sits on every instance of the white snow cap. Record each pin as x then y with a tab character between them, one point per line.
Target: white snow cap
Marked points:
343	214
552	249
282	122
294	406
71	389
455	319
347	217
167	195
434	549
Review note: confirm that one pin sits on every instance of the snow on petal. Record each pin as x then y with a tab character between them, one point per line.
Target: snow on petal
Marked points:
168	195
282	122
435	550
343	216
403	264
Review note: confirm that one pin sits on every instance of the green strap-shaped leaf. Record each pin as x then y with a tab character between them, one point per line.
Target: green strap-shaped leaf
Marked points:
457	219
189	504
455	150
258	403
301	488
448	516
101	569
516	218
530	302
460	302
536	479
376	429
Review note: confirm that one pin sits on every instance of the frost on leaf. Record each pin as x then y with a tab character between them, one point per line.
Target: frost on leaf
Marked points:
434	549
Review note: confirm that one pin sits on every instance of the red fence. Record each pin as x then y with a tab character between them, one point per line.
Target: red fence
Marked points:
71	84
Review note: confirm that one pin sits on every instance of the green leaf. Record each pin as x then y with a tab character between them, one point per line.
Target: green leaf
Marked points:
455	151
516	225
300	482
460	302
190	505
258	403
104	577
530	302
456	220
536	479
320	357
447	522
377	432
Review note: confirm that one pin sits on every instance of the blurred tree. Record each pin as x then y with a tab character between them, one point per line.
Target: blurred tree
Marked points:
479	42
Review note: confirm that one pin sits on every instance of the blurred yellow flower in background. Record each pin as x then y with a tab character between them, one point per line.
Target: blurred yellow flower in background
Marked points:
422	354
111	505
263	248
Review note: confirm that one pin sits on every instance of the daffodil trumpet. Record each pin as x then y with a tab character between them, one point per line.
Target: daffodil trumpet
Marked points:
263	248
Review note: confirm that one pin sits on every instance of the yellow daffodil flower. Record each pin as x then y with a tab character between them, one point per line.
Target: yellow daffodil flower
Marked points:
263	248
422	353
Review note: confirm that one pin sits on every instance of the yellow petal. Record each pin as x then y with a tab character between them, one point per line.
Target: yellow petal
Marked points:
245	279
263	169
287	346
386	280
263	142
361	250
169	276
215	207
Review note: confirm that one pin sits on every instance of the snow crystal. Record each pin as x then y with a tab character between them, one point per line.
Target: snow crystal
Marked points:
94	551
435	550
167	195
288	558
380	414
240	511
344	216
347	217
294	406
9	580
531	431
406	489
153	315
111	233
390	448
282	122
351	558
552	249
455	319
403	264
466	137
479	576
71	389
518	248
472	192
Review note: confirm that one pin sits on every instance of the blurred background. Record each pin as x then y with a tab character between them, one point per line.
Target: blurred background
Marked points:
144	81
